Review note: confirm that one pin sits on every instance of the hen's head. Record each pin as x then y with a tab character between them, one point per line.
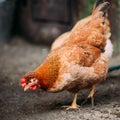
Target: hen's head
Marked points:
29	81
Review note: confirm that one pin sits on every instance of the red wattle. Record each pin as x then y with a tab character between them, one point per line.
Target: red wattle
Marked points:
33	87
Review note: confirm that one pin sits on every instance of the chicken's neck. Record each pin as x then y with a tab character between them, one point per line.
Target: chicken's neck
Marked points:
48	72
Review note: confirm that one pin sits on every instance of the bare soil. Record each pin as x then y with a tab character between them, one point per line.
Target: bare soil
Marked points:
19	57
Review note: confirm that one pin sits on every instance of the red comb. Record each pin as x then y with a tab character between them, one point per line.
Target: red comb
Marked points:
23	82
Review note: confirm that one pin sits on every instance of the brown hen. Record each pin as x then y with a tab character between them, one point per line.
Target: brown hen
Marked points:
77	64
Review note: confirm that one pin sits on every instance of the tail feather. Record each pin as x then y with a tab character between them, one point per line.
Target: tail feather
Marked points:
97	3
102	7
105	6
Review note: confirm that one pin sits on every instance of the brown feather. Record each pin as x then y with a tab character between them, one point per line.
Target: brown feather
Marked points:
47	73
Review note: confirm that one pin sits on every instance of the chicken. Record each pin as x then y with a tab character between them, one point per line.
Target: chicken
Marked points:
77	64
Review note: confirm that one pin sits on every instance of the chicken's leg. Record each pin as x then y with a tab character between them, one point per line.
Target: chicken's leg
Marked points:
91	95
74	104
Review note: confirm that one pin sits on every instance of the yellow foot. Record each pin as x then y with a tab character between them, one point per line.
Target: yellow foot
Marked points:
72	107
92	102
90	96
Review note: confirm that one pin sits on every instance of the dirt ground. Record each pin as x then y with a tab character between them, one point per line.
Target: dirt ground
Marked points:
19	57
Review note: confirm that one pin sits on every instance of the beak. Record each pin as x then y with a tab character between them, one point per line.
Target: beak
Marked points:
26	88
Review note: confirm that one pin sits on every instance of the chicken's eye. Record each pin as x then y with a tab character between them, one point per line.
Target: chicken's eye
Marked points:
32	81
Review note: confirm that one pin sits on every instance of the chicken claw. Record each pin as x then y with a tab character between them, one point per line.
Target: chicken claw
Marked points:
74	105
91	95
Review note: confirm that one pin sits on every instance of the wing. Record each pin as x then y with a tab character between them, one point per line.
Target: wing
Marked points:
81	77
78	69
